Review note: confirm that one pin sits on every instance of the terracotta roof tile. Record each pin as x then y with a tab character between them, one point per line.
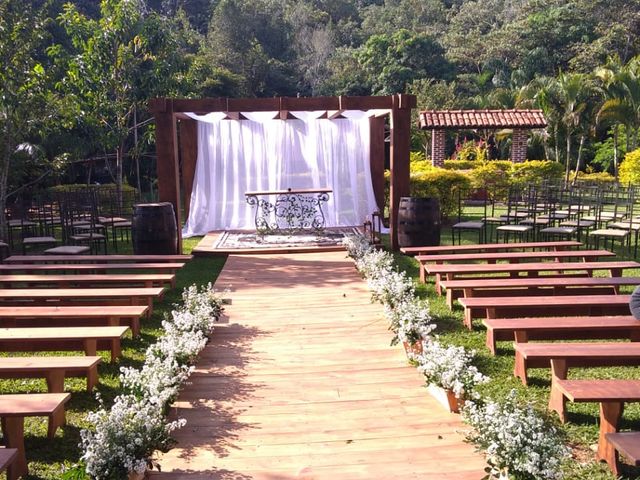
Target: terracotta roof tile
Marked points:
451	119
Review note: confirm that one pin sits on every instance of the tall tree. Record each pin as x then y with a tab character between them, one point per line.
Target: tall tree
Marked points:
23	92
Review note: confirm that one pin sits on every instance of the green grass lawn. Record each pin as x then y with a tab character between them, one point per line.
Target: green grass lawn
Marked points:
582	428
47	458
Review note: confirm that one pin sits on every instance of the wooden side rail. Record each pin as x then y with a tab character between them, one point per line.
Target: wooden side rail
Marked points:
14	409
50	316
451	271
563	305
560	328
490	247
539	355
627	443
26	259
87	339
146	280
562	285
53	369
7	457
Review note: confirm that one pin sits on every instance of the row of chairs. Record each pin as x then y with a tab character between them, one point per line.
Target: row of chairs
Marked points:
553	212
71	222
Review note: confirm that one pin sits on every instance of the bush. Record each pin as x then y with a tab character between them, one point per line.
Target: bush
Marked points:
596	178
418	162
471	150
536	171
630	168
441	184
488	175
460	164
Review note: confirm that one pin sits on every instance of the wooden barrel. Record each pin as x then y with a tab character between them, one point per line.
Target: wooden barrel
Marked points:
418	222
154	230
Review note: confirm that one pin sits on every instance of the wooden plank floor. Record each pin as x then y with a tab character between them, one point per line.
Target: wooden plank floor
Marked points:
301	383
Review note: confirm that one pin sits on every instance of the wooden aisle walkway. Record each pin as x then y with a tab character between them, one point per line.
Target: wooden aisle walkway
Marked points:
301	383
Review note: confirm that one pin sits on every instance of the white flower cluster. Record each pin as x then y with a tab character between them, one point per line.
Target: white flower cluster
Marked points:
127	435
449	367
517	440
409	320
408	316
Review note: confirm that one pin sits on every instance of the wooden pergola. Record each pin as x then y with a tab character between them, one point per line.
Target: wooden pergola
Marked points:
177	140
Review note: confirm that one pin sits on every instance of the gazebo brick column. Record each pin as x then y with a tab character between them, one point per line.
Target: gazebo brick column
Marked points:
437	148
519	145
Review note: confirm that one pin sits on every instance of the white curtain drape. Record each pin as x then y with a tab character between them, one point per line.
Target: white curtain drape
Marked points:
260	154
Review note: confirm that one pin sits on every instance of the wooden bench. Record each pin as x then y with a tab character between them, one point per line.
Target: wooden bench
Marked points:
167	267
87	339
14	409
627	443
539	355
561	285
7	457
25	259
489	247
562	305
147	280
611	394
82	296
511	257
53	369
110	315
560	328
453	271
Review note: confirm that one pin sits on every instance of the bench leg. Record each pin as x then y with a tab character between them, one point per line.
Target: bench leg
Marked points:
92	378
450	298
491	341
90	347
55	381
610	413
467	318
13	431
56	419
116	350
520	368
557	400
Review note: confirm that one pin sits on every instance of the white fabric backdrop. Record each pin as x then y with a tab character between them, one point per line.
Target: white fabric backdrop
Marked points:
236	156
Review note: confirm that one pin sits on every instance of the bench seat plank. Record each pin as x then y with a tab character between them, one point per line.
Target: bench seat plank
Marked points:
450	270
89	280
7	457
169	267
499	307
565	328
53	369
95	258
487	247
13	410
597	354
89	315
471	287
88	339
627	443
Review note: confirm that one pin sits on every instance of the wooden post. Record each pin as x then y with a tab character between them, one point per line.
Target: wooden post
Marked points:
188	155
376	126
167	158
400	145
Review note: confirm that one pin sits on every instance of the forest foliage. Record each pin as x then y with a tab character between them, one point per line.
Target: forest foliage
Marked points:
76	76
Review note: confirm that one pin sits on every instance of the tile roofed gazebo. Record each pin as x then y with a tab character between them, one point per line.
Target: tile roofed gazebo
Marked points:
521	121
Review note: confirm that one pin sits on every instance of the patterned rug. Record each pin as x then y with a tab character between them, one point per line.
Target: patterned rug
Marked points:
244	240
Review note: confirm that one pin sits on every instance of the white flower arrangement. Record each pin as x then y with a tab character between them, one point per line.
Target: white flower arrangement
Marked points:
126	436
409	320
356	245
391	288
518	442
449	367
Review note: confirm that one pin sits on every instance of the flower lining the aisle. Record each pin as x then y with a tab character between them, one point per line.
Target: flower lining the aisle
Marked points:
517	441
126	436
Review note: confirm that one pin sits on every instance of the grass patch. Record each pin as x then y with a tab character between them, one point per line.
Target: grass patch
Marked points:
581	430
47	458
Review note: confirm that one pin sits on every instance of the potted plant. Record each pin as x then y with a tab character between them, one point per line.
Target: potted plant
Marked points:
410	322
448	372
